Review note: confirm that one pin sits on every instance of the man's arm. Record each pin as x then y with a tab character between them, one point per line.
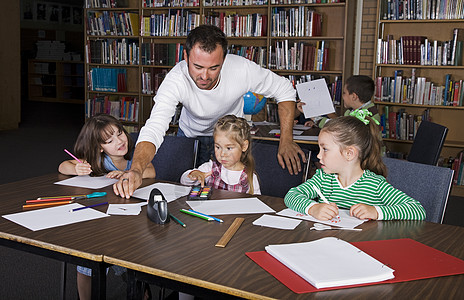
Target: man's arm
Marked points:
288	150
132	179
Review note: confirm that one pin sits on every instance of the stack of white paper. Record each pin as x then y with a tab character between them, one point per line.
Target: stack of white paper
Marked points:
330	262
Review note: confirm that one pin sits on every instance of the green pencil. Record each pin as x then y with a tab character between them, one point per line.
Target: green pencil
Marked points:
177	221
188	212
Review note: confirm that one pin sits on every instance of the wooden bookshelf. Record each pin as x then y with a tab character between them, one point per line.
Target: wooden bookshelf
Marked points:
56	81
336	32
394	27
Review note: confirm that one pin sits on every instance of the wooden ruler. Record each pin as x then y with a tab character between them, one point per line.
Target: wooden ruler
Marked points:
230	232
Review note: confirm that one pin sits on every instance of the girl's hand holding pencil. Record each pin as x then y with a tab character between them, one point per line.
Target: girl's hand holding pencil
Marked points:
83	168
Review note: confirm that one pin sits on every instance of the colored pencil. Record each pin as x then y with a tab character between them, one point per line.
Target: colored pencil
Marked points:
98	204
208	216
56	197
188	212
177	221
72	155
46	204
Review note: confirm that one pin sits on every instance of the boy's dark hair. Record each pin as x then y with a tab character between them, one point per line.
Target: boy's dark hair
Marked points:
208	37
362	85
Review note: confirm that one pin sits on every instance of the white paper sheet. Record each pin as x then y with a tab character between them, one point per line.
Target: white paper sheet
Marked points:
301	127
85	181
317	98
277	222
54	216
306	137
277	131
170	191
130	209
330	262
346	220
231	206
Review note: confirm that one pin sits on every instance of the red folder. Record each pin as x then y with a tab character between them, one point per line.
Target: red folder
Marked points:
410	259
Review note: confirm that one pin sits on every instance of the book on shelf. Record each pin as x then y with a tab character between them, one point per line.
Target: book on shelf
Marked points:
295	22
177	22
107	79
103	23
236	25
161	54
123	108
418	90
421	10
112	51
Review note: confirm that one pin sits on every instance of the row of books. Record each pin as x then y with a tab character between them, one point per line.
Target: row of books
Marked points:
421	9
305	1
419	50
234	25
401	125
418	90
233	2
122	108
296	22
253	53
112	51
151	80
457	164
272	114
107	79
177	22
299	56
171	3
112	23
100	3
161	54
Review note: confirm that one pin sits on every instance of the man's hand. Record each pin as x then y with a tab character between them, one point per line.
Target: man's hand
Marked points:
288	156
128	183
132	179
288	150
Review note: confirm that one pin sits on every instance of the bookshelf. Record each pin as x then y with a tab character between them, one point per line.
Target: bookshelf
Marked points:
417	76
253	29
56	81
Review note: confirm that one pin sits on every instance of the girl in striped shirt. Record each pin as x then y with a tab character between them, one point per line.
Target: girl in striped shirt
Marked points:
352	176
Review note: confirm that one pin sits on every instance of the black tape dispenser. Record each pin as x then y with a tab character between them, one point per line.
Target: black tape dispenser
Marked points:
157	209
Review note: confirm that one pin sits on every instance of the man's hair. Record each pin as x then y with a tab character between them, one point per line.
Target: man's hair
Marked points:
362	85
208	37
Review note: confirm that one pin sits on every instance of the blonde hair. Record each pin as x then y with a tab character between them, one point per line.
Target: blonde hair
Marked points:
238	130
350	131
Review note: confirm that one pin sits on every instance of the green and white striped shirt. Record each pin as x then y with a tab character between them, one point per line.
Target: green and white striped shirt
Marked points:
371	189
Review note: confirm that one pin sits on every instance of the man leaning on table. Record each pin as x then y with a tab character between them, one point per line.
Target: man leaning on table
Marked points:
210	84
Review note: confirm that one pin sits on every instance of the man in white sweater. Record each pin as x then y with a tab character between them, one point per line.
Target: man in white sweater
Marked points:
210	84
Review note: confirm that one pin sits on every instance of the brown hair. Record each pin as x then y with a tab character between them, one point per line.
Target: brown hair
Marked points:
95	132
350	131
239	130
361	85
208	37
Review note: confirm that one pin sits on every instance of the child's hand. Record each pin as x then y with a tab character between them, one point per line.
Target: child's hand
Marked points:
364	211
115	174
83	168
197	175
309	123
323	211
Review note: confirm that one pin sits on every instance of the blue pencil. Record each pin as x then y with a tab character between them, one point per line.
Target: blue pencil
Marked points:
98	204
208	216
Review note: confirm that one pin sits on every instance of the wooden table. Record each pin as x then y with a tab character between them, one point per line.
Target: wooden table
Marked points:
186	259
